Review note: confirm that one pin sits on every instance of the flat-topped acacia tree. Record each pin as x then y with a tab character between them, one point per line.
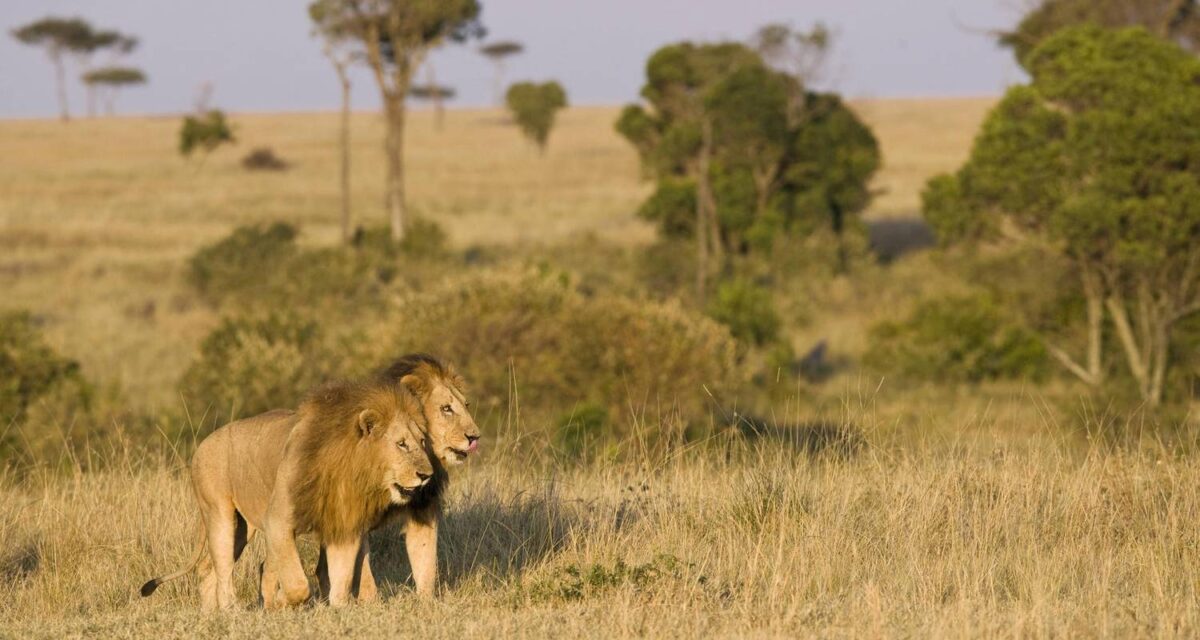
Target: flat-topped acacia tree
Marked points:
57	36
534	107
109	80
396	36
498	52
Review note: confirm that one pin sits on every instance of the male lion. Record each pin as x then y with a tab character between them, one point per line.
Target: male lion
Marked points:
453	435
335	468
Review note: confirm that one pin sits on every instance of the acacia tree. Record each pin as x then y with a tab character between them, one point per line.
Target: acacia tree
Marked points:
109	80
396	35
436	93
497	52
57	36
1176	20
534	106
1098	158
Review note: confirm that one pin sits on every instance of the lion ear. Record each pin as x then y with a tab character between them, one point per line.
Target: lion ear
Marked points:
414	383
368	421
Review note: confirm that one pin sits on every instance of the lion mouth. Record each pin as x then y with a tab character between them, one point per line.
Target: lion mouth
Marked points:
405	492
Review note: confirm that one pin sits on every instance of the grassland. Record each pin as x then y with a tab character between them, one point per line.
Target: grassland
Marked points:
971	512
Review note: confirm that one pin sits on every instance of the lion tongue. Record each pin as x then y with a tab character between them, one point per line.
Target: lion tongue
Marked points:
473	446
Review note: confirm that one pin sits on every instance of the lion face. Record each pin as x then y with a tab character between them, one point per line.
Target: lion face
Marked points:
401	448
453	433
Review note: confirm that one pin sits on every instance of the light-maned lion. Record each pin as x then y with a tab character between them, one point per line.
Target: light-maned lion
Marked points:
334	468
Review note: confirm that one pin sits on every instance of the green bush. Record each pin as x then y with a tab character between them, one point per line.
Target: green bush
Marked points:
204	132
580	429
748	311
240	262
29	369
248	365
561	348
965	338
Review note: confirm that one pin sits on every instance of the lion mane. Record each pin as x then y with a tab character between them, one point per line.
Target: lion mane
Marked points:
341	495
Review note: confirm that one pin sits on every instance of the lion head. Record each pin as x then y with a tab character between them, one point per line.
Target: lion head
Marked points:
441	392
362	451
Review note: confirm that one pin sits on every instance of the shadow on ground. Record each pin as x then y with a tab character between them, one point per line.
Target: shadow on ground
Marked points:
895	238
483	536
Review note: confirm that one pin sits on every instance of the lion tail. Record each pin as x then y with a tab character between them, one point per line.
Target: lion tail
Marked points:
149	588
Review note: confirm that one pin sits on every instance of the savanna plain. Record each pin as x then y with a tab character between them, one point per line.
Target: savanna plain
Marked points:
991	510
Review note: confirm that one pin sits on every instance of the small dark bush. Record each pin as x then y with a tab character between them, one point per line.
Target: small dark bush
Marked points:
424	239
965	338
264	159
748	311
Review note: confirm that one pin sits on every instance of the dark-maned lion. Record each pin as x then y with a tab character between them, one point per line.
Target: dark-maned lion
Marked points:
334	468
453	435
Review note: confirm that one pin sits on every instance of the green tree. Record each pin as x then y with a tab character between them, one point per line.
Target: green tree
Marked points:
57	36
534	106
110	80
396	36
1176	20
1098	158
758	153
204	132
29	368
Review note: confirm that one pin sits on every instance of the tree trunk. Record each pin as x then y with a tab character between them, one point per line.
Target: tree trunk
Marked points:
394	152
60	76
498	89
347	223
436	95
1095	320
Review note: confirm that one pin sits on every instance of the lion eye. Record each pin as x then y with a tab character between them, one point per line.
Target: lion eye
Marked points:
447	409
403	445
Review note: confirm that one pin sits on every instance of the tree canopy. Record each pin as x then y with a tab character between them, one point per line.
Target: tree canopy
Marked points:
774	164
534	107
1099	158
1176	20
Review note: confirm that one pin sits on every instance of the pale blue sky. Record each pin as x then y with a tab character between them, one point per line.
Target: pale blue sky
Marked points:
259	56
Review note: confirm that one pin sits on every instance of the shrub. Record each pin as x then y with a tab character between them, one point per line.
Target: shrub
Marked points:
253	364
204	132
563	348
966	338
424	239
264	159
29	369
747	310
534	106
240	261
580	429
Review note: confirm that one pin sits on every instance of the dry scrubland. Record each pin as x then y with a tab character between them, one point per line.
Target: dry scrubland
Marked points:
970	511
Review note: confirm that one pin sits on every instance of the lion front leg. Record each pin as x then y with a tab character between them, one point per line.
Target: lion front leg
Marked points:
420	539
341	560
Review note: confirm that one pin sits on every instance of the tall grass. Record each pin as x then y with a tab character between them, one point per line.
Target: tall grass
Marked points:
735	536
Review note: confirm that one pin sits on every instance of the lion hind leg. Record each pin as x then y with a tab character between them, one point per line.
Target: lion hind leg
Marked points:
222	533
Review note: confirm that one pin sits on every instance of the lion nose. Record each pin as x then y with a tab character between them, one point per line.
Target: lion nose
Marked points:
424	477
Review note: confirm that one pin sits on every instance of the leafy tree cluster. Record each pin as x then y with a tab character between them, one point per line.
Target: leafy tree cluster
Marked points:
1098	160
1175	20
29	368
534	106
743	154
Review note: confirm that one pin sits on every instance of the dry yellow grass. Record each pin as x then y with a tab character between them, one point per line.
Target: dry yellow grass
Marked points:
971	514
916	542
97	217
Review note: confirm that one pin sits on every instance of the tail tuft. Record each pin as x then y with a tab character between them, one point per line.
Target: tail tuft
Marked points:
149	587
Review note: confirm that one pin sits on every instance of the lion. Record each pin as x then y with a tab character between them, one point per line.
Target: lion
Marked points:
453	436
352	453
